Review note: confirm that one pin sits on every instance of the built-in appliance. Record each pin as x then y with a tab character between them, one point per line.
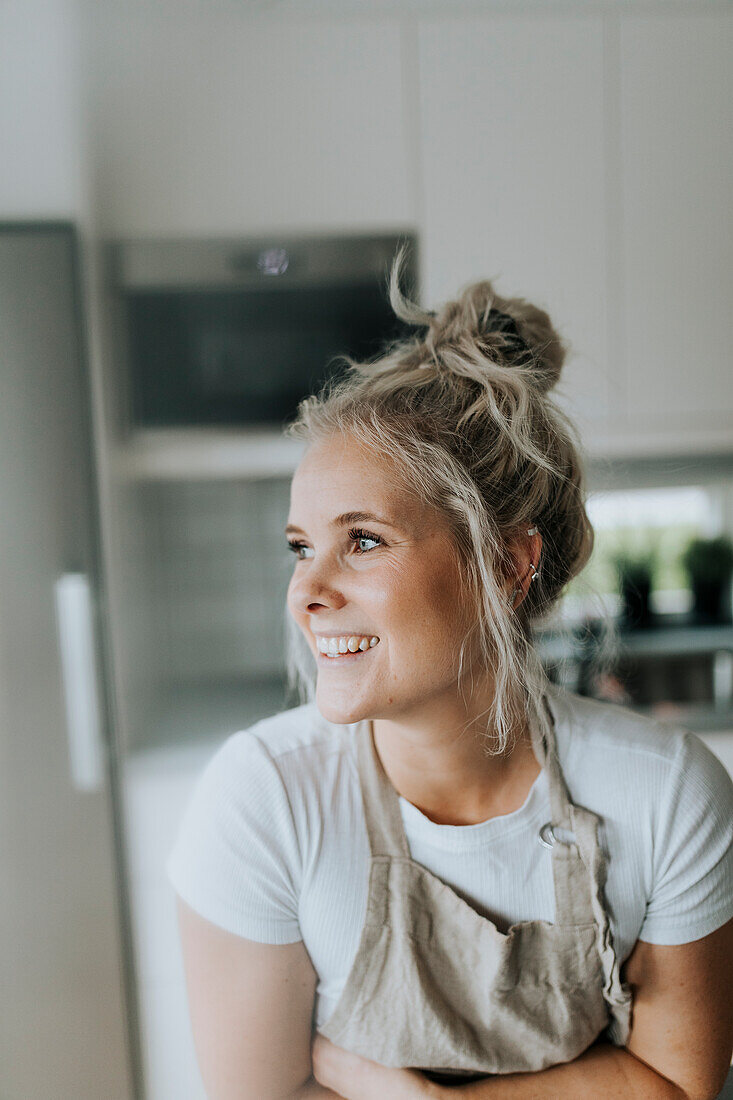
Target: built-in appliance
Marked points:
239	331
68	994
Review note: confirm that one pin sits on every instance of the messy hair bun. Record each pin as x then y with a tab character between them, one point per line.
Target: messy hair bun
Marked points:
505	332
462	408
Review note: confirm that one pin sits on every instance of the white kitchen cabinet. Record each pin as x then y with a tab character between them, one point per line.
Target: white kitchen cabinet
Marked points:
209	121
676	89
586	162
582	159
515	182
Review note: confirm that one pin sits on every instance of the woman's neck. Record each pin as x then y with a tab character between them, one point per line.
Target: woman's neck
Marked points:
446	773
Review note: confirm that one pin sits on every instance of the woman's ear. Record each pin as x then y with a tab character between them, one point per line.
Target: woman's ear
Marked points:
524	551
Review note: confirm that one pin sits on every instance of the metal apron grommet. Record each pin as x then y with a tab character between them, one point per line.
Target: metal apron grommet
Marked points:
548	836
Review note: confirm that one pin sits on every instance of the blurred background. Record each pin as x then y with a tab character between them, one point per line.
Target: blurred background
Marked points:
198	205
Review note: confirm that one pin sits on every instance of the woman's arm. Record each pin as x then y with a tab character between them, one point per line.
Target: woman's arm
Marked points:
681	1036
679	1047
251	1006
605	1072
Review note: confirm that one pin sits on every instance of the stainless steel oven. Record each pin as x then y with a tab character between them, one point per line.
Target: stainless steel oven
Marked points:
238	331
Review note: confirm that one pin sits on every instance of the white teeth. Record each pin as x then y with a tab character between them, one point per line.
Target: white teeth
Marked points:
346	643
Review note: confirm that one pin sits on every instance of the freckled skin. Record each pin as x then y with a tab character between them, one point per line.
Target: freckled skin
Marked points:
406	592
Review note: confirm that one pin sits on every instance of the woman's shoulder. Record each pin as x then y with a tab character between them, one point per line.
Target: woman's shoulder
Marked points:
254	820
293	749
599	724
301	731
616	748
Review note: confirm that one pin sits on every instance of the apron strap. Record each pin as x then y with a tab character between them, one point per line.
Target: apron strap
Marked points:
572	860
542	731
572	866
381	801
579	872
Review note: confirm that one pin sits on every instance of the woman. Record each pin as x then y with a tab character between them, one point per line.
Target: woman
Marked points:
442	875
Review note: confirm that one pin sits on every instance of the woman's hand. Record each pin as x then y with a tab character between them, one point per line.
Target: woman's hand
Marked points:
356	1078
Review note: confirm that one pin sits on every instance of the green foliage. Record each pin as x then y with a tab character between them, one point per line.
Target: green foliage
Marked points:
708	559
666	544
635	567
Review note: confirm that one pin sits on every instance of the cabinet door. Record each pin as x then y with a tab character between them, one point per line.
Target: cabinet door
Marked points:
514	180
209	120
677	170
63	1032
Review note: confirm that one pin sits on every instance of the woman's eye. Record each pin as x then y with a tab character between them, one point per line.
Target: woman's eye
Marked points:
357	537
296	547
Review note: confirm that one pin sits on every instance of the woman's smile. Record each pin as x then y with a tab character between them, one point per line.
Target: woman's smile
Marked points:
330	660
338	648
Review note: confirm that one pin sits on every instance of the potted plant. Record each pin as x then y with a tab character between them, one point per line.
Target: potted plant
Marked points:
709	565
635	571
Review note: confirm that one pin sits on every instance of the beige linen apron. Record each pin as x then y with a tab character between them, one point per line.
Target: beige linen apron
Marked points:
436	986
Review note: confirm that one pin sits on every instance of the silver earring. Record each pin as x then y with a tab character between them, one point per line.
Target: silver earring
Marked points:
532	531
535	573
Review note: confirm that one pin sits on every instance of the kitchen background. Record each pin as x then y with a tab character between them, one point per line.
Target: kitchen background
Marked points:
579	154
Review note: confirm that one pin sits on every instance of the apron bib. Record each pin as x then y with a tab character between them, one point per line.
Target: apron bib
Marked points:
437	987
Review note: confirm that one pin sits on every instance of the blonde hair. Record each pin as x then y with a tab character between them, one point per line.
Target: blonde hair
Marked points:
462	409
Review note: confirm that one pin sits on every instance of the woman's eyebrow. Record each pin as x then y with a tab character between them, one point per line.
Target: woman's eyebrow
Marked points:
345	519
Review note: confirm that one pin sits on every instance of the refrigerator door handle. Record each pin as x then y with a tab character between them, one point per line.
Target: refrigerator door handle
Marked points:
77	651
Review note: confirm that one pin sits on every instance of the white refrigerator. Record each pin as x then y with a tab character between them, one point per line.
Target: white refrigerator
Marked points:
68	1028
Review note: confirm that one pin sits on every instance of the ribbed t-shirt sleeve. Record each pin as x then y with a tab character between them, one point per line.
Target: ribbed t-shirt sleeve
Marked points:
692	891
236	855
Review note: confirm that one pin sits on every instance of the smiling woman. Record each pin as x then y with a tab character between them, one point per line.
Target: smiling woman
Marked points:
441	874
443	426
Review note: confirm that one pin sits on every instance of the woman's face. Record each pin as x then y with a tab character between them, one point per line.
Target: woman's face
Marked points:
395	578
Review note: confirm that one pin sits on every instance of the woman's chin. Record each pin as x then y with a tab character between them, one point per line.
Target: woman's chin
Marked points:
342	712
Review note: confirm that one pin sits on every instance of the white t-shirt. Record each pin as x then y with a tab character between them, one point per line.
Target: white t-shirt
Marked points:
273	844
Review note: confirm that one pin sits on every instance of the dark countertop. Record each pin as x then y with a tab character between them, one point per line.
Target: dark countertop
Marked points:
674	636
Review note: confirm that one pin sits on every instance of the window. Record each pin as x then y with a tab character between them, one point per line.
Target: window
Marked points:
658	522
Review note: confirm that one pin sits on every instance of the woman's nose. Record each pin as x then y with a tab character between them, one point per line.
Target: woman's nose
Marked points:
318	585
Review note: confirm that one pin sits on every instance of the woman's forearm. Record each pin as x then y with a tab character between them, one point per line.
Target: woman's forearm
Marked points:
312	1090
604	1071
